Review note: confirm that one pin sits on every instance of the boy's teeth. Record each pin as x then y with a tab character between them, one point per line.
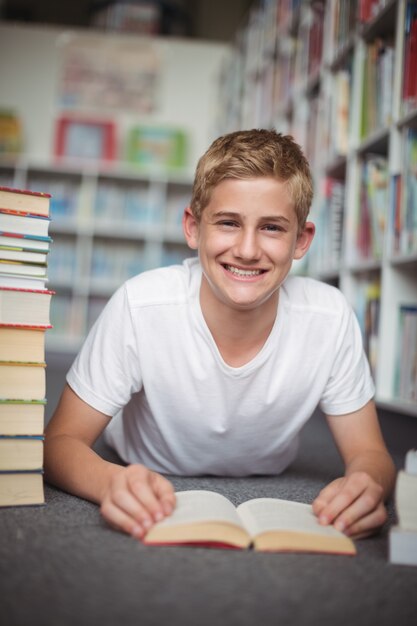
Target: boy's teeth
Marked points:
240	272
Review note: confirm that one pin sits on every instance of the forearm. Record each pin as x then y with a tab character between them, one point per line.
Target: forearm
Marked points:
74	467
377	464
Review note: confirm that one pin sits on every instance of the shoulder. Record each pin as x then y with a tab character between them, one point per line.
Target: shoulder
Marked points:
163	285
308	293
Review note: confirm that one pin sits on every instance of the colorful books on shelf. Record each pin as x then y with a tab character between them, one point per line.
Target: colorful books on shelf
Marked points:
404	198
341	20
11	135
340	112
368	311
368	9
373	206
409	199
406	365
24	318
315	38
403	536
409	87
121	203
157	146
324	256
378	82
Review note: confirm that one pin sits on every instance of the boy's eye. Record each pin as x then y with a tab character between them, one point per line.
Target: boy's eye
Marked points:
227	223
274	228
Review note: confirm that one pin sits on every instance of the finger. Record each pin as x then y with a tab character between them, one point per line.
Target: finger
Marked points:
141	482
350	492
366	504
126	501
164	491
351	488
326	495
368	524
120	520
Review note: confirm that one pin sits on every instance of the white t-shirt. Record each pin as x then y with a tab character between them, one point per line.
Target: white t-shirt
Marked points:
151	361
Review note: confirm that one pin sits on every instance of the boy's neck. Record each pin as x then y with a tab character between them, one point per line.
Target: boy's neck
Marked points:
238	334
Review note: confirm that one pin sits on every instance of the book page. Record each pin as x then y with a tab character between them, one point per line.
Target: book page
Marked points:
406	500
201	506
269	514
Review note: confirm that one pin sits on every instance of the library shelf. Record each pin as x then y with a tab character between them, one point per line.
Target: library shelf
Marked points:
355	116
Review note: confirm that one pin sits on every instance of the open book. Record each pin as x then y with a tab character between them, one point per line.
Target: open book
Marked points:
267	524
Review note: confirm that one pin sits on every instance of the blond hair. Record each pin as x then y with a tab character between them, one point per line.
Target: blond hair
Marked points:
249	154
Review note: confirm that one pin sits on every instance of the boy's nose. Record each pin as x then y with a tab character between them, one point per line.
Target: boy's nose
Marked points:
247	245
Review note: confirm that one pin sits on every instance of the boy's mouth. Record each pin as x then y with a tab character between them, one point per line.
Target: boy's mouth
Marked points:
237	271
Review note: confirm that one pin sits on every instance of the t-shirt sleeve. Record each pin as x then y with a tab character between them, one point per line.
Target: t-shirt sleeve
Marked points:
350	385
106	371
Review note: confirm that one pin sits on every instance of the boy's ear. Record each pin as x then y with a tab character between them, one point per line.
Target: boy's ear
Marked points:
190	228
304	240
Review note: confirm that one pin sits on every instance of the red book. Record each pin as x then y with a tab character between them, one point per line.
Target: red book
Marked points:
410	61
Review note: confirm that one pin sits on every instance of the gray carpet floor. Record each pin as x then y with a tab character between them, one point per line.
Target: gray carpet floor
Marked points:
61	565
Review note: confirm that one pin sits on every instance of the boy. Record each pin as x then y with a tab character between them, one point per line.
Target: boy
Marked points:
213	367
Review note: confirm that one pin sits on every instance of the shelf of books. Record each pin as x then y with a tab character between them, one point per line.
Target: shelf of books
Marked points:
109	223
341	77
24	319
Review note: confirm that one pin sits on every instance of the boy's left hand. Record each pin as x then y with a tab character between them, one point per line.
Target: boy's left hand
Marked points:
353	504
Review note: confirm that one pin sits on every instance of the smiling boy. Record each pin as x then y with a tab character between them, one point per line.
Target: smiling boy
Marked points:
214	366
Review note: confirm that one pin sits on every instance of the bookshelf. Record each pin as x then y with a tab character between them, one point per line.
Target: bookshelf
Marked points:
118	196
344	84
109	223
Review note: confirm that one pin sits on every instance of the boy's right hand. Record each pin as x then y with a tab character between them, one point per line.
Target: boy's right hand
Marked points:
136	498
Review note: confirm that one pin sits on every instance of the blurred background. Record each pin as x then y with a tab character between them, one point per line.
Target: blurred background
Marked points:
107	106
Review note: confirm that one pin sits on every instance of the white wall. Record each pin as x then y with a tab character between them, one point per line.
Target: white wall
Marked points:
30	61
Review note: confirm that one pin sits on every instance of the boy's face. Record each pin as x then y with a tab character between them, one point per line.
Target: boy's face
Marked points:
247	239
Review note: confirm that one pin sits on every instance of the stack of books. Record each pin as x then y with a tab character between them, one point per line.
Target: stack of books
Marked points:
24	318
403	536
